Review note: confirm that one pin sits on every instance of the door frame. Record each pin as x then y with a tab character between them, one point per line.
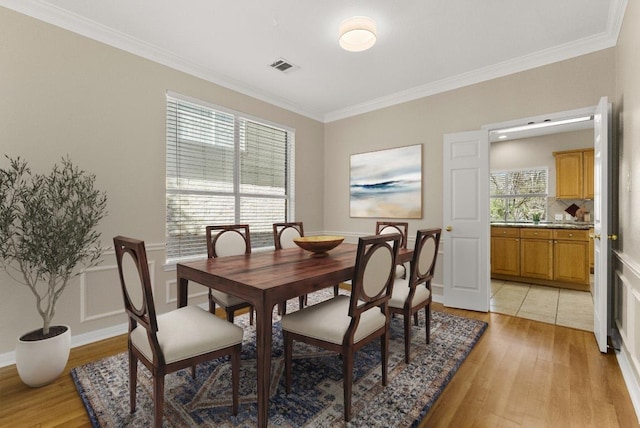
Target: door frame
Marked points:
567	114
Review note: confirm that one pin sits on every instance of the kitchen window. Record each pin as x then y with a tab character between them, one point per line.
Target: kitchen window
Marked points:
223	167
517	194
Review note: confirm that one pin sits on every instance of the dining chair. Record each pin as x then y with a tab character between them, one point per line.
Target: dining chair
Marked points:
384	227
412	294
283	236
344	324
228	240
173	340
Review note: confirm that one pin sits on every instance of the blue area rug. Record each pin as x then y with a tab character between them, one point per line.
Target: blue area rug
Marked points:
316	396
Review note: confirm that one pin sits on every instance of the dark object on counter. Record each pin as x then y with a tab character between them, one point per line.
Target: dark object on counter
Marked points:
571	209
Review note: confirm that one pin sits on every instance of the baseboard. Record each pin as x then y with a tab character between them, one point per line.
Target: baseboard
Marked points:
630	380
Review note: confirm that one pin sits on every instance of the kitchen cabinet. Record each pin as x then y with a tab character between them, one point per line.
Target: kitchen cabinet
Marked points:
558	257
536	253
571	258
574	174
505	250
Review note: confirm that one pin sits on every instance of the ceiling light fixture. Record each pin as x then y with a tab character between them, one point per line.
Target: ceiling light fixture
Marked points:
544	124
357	34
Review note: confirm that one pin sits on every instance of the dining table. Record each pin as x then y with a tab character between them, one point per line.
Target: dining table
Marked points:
266	278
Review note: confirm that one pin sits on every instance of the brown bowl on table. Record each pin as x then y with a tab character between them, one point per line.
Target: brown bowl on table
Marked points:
318	245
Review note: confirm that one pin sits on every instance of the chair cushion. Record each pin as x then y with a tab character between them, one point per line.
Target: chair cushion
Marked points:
401	292
329	321
188	332
225	299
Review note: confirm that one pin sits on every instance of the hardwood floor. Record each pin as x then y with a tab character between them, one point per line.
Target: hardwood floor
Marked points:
522	373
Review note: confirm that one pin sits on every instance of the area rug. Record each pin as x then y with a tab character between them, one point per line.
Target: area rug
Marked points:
316	398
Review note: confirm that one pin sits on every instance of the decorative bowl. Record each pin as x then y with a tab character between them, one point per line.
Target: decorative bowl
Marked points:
318	245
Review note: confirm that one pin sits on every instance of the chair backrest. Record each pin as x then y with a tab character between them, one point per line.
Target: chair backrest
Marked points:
135	281
425	255
228	240
284	234
386	227
374	273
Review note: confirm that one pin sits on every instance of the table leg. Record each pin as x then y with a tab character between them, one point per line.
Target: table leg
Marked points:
183	287
263	357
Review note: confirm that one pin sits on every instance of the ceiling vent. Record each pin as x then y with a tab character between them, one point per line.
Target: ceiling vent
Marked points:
283	65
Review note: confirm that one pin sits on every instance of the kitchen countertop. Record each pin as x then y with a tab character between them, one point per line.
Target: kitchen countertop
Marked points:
545	224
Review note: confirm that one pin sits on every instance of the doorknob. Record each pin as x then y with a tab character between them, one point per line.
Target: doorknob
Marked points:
613	237
449	229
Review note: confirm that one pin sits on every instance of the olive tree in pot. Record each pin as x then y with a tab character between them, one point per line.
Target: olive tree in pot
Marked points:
47	238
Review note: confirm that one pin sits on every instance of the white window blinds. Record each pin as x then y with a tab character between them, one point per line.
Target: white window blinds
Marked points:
223	168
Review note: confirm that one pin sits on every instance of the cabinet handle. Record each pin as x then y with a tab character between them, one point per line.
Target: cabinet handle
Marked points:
613	237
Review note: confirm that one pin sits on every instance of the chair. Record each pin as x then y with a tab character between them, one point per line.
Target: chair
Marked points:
283	236
171	341
345	324
384	227
409	296
228	240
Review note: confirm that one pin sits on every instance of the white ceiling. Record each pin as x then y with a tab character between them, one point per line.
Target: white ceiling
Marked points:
424	46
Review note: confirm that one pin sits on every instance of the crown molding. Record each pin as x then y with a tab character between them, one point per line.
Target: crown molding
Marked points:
56	16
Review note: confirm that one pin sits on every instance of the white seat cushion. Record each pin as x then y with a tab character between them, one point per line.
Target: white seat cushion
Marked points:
225	299
187	332
329	321
401	292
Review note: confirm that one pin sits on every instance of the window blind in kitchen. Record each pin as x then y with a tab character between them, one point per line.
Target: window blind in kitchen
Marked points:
223	167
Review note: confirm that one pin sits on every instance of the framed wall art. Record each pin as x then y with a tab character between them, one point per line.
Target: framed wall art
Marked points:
387	183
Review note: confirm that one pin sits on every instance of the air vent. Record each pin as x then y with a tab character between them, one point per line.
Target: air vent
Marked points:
283	65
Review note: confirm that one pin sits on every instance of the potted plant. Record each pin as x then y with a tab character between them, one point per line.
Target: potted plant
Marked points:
536	218
47	237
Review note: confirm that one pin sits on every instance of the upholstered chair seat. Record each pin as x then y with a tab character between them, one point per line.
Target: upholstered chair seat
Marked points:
401	291
188	332
329	321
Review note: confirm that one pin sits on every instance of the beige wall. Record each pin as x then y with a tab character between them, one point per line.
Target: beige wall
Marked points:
627	248
65	94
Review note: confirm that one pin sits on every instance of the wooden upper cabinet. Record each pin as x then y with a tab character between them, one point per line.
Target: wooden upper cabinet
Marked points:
587	157
574	174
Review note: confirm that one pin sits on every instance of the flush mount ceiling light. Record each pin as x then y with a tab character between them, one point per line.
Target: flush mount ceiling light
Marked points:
357	34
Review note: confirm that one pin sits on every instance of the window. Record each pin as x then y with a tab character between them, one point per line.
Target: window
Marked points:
223	167
516	195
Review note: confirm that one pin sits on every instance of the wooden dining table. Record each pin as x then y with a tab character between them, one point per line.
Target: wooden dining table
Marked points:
265	279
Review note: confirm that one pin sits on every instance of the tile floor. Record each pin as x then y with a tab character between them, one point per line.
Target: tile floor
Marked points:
569	308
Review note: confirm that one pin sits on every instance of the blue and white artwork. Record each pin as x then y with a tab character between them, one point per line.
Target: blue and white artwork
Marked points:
387	183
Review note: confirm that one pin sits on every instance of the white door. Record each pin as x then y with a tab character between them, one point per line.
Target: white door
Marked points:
601	208
466	242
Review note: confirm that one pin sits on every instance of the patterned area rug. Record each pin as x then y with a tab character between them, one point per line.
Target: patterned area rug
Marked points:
316	395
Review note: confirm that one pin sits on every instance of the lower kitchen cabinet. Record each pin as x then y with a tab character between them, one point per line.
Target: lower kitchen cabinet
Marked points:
571	256
536	253
547	256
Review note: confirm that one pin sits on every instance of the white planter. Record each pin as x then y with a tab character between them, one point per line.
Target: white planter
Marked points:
43	361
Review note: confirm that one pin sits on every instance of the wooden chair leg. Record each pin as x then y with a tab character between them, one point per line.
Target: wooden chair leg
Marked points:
415	318
133	380
251	315
158	399
407	337
235	377
193	371
336	290
347	376
288	356
427	317
301	300
384	356
282	308
230	315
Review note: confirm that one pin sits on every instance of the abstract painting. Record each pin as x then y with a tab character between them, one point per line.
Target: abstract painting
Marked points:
387	183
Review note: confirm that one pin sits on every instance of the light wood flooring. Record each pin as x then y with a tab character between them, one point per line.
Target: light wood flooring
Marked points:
521	373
